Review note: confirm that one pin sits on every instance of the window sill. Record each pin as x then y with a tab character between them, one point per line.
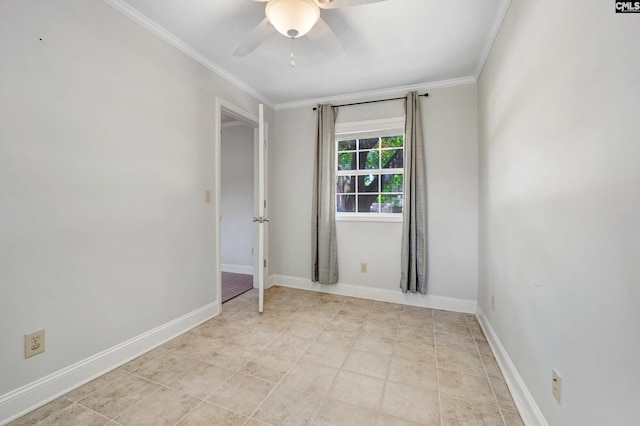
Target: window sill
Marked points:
345	217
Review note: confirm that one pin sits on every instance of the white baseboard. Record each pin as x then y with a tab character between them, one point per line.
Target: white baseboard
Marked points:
33	395
269	282
236	269
383	295
529	411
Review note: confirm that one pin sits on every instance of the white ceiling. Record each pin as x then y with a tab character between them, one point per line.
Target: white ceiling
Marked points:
390	44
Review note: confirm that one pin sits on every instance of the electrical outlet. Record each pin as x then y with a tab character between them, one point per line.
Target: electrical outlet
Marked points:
207	196
33	343
556	385
493	302
363	267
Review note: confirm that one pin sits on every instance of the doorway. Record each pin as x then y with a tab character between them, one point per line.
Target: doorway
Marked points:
236	206
248	155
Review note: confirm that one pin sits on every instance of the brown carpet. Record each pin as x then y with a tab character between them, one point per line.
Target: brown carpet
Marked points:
235	284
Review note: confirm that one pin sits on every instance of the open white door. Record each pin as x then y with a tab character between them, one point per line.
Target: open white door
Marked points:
262	219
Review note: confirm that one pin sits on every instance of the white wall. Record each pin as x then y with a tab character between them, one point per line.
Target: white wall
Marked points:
449	128
106	142
560	205
236	233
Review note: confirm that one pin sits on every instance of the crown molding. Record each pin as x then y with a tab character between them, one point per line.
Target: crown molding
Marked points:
392	91
503	7
156	29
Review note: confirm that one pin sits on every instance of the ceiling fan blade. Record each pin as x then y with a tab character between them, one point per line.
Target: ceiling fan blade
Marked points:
335	4
326	40
255	38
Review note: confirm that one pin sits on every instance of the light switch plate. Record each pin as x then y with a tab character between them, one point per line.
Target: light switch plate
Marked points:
556	385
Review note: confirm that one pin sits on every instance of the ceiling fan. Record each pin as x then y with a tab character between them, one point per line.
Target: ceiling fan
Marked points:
297	18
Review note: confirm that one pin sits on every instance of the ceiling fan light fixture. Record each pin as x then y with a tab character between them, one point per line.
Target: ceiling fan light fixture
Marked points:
292	18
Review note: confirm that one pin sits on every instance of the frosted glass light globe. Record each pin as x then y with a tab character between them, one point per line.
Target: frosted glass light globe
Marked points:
292	18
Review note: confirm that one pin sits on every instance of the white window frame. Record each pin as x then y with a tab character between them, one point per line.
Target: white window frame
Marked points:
361	130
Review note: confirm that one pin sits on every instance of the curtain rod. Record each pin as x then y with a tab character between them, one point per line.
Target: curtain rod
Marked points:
371	102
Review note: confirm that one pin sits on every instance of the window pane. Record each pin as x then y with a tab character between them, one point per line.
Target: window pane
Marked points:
372	192
392	159
345	184
392	142
346	203
385	204
392	183
369	160
347	145
368	183
368	143
391	203
347	161
368	203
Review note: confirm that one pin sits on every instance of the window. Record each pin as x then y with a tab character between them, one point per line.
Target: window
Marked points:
370	170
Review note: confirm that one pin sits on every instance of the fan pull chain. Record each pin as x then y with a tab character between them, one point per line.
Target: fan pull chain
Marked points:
292	56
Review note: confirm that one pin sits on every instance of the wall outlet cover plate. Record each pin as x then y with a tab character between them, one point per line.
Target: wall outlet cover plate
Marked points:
33	343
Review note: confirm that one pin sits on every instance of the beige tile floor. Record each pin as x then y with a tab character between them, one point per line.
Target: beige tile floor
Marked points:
309	359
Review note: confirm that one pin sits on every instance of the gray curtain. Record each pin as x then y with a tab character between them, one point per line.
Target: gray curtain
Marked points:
414	213
324	248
